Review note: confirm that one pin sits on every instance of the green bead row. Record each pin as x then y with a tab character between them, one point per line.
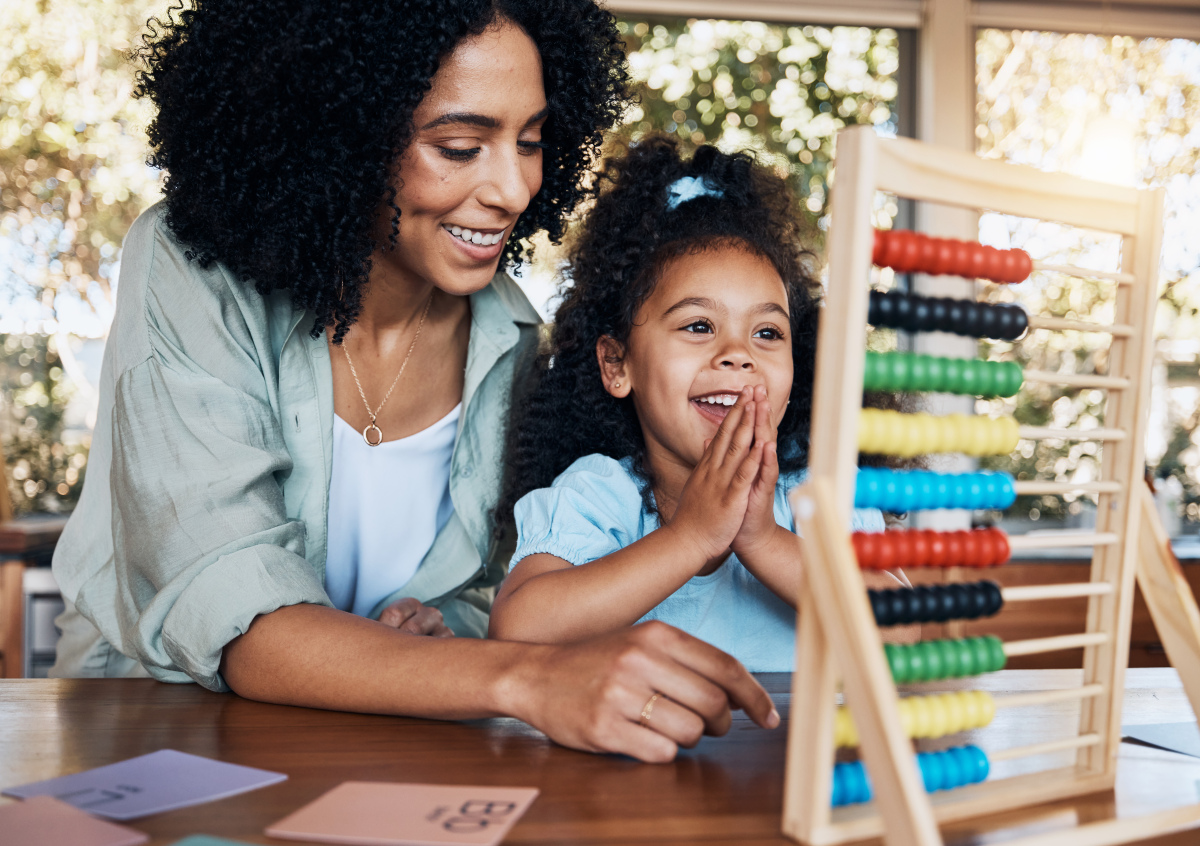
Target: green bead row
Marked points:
933	660
911	372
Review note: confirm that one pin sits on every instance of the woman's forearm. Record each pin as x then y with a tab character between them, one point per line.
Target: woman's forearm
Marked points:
587	696
319	657
568	603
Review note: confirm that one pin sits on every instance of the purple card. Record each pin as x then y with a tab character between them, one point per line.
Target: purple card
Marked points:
150	784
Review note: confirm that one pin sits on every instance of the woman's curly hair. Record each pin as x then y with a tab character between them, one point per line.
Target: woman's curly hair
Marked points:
279	122
614	263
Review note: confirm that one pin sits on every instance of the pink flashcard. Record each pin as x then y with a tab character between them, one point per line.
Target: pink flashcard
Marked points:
45	821
373	813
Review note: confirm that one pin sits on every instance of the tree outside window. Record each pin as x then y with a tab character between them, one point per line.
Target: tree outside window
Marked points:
1121	110
73	178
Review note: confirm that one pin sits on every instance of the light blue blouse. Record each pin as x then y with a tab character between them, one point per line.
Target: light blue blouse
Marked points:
595	508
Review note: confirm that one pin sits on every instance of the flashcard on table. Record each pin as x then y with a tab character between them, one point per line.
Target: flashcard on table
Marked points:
1174	737
149	784
45	821
386	814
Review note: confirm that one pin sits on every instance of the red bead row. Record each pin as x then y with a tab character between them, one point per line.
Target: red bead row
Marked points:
912	252
925	548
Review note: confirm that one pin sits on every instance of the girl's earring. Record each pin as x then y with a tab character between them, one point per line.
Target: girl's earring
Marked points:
616	385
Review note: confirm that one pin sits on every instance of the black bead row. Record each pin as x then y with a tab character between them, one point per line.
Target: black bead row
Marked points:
914	313
935	603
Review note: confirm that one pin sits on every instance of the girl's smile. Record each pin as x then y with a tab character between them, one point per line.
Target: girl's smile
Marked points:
716	405
715	323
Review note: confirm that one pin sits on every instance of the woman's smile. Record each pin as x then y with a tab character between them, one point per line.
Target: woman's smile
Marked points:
481	245
472	167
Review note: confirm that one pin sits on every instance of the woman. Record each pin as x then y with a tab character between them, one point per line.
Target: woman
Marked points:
304	391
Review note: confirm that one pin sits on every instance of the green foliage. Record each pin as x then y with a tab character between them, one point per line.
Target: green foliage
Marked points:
782	91
1179	461
1114	109
72	179
44	473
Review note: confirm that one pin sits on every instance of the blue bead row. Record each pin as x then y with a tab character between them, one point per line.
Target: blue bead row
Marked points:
901	491
946	770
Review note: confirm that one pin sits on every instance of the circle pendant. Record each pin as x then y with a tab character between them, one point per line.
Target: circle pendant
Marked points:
367	435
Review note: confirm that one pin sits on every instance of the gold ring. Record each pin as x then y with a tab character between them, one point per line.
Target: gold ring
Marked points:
647	710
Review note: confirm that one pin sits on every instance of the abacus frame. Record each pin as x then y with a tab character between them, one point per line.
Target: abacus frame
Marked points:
836	633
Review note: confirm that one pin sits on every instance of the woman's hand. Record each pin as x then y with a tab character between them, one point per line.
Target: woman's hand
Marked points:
592	695
759	526
712	506
411	617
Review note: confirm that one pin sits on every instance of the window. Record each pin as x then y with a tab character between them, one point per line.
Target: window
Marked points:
72	180
780	90
1114	109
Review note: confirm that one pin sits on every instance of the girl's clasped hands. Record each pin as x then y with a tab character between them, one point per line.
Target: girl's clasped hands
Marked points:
728	501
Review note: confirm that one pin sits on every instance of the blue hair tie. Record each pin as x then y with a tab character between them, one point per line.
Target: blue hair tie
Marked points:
689	188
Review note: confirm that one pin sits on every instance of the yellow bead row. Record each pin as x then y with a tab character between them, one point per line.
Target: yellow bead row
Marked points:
893	433
936	715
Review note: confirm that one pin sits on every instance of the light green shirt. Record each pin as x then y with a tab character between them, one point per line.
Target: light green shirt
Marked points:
207	488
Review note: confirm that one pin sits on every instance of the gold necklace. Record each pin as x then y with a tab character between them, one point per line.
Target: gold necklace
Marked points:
374	414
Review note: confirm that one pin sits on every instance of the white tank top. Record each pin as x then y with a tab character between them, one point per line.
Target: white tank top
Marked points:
386	506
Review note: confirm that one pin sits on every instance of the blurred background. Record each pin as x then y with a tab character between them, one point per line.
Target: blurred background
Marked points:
1115	107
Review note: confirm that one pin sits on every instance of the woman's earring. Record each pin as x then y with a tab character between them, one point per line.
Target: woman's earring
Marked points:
616	385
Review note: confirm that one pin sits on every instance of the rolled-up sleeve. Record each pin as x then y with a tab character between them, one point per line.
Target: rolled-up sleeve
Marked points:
201	540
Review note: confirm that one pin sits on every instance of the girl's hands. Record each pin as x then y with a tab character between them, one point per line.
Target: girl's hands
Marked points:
712	505
759	525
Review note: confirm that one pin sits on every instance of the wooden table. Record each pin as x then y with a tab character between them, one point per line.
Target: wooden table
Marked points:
726	791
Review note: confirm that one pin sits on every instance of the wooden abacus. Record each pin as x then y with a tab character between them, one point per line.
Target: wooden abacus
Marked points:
837	634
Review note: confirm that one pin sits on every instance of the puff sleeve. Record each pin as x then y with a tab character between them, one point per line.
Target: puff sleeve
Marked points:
593	509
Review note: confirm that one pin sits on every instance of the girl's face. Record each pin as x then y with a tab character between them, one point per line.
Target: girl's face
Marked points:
474	163
716	322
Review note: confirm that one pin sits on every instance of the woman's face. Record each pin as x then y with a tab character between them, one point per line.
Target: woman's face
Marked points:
474	163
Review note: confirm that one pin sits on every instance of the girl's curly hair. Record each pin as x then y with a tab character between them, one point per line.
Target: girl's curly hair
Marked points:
614	263
279	122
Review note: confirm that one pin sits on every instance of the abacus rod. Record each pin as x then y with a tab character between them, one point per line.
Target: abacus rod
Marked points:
1084	273
1077	380
1055	539
1076	742
1037	488
1036	646
1061	324
1026	593
1047	697
1073	433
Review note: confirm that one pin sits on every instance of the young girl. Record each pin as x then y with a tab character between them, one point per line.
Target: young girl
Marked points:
671	418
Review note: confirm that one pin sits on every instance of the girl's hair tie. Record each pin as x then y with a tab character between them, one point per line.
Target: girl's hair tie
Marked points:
689	188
